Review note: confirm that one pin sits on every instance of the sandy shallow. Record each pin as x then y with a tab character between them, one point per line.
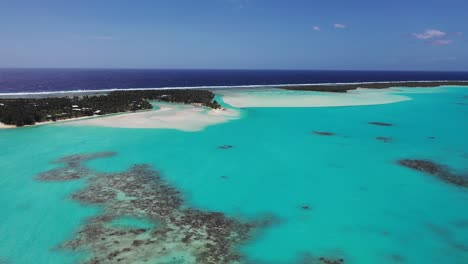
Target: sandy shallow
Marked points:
286	98
169	116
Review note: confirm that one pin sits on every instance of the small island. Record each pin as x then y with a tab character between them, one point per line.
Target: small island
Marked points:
343	88
29	111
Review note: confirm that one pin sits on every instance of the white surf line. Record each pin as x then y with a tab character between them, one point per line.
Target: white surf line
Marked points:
81	91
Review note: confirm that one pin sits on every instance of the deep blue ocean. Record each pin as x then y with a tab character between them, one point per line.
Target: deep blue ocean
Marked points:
50	80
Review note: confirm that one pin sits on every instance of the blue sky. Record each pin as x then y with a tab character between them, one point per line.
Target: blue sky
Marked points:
236	34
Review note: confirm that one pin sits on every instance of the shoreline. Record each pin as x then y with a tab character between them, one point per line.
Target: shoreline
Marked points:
343	88
65	93
197	117
5	126
276	97
183	117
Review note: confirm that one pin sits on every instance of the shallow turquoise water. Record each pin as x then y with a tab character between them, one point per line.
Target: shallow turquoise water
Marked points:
362	206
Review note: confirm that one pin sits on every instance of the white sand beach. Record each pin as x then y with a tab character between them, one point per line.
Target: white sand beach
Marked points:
195	118
4	126
169	116
288	98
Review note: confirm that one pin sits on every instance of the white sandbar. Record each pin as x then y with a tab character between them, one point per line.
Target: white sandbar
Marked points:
288	98
169	116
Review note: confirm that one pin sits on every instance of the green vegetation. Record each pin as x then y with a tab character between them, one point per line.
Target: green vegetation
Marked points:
28	111
343	88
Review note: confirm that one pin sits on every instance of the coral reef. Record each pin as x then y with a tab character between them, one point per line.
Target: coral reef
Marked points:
141	193
380	124
384	139
309	259
440	171
323	133
225	147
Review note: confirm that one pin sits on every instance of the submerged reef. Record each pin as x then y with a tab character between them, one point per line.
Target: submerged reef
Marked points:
74	168
396	258
380	124
323	133
225	147
384	139
440	171
309	259
141	193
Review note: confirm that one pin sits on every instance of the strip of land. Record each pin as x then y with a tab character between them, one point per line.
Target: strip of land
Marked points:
343	88
285	98
29	111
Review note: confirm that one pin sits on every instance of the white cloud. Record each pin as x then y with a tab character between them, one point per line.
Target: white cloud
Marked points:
434	37
316	28
429	34
340	26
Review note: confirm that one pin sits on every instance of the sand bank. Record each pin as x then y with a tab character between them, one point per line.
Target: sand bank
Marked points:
169	116
286	98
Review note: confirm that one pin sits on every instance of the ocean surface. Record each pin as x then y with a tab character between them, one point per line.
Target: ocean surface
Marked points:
52	80
332	197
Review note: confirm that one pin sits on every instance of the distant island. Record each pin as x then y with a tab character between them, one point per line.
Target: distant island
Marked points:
29	111
343	88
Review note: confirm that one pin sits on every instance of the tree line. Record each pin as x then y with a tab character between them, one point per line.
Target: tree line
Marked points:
343	88
28	111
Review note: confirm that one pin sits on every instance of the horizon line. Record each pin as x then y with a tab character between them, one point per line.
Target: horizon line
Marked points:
223	69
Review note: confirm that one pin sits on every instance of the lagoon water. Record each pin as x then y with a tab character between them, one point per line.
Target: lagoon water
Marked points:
341	196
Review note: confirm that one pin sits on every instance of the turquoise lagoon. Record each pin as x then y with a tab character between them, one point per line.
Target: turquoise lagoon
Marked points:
359	205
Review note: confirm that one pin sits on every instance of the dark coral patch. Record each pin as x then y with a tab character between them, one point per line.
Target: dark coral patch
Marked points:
64	174
74	169
310	259
384	139
380	124
74	160
423	165
323	133
440	171
461	223
397	258
331	261
205	237
225	147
